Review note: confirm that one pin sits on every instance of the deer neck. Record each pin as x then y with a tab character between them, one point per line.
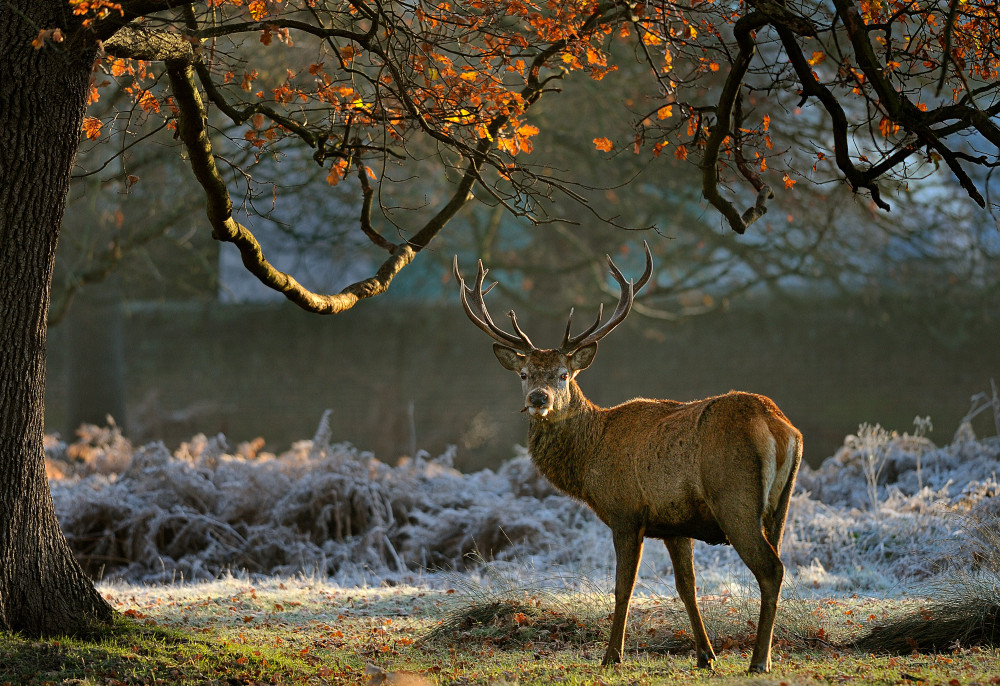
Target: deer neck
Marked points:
560	445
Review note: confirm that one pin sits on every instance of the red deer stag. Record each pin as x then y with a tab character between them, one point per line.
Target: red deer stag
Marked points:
720	470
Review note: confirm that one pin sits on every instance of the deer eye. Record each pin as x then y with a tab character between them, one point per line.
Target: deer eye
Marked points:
524	375
564	376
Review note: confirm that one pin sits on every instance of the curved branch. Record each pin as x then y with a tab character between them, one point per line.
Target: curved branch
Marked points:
743	31
811	87
192	131
368	195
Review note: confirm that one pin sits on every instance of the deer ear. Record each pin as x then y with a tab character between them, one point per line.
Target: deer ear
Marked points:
509	358
581	358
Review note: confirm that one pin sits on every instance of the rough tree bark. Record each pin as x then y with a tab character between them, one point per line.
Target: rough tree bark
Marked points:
43	94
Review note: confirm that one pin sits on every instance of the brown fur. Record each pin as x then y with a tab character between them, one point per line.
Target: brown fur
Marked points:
720	470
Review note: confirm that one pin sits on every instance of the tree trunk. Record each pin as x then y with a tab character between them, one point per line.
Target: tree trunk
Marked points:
43	95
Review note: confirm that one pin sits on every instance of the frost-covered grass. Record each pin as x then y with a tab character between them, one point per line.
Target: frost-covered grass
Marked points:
885	512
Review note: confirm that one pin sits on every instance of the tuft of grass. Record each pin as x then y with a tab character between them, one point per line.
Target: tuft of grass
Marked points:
964	606
501	608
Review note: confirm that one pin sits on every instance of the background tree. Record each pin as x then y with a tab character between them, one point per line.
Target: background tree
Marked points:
898	87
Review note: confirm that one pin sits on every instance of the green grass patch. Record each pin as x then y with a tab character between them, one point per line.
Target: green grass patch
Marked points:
308	632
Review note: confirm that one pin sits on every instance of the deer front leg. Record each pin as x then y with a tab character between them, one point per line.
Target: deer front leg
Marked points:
681	555
628	552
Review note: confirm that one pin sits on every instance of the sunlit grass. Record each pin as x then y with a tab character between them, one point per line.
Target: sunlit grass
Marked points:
309	632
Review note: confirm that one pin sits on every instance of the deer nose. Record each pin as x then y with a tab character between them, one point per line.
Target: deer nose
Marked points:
538	398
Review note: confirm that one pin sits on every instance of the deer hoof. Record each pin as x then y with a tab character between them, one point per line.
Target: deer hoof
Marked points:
758	669
706	661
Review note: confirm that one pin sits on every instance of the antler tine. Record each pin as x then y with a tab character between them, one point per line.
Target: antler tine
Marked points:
628	291
517	330
480	316
569	323
570	342
648	272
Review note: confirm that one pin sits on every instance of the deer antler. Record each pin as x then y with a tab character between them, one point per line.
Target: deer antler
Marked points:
480	316
596	331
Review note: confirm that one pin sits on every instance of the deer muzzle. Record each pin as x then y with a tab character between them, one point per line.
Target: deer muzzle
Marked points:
539	403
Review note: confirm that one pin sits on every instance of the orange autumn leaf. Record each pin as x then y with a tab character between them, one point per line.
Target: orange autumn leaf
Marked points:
681	152
336	172
817	58
248	79
789	181
507	145
603	144
665	112
92	127
887	127
54	35
148	102
257	9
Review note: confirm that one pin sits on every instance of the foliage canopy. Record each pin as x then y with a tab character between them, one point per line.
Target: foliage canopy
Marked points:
868	92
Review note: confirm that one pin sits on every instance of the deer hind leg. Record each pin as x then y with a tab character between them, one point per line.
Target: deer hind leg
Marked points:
681	550
762	559
628	553
746	534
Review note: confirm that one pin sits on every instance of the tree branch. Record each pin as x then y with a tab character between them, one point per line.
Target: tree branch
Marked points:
900	109
811	87
279	23
135	41
194	135
368	195
743	31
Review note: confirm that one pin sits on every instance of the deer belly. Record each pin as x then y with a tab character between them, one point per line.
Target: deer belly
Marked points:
709	532
688	517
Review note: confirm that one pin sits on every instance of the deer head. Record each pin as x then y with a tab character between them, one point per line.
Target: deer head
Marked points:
547	375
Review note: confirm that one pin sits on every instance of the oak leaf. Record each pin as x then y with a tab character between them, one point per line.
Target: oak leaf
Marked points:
603	144
92	127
